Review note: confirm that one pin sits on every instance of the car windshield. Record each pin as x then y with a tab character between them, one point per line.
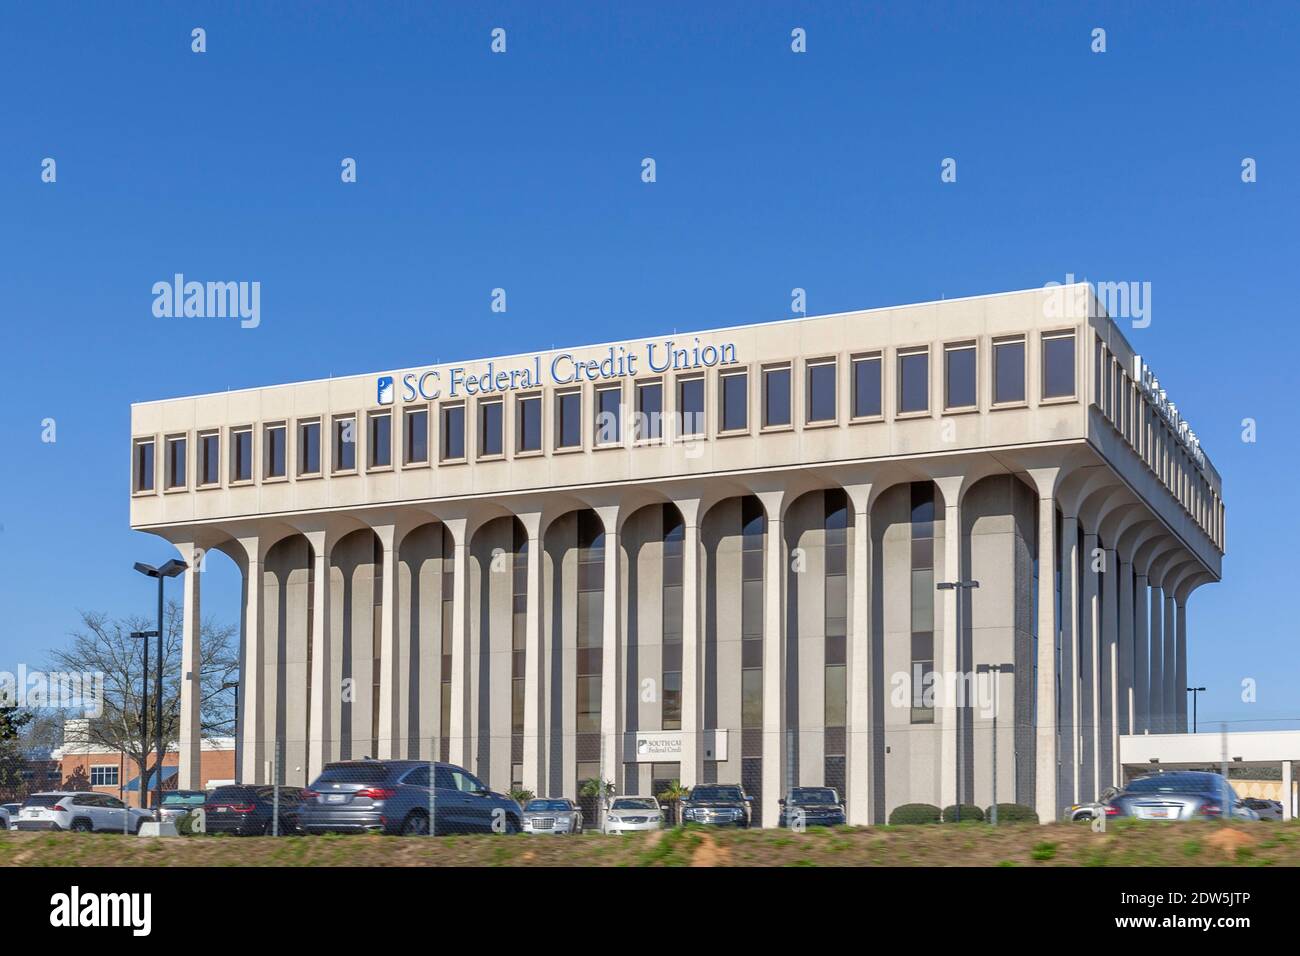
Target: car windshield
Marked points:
360	772
813	795
1177	783
183	799
635	803
43	799
716	793
549	805
233	795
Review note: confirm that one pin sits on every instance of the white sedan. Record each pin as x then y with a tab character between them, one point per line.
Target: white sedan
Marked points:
633	814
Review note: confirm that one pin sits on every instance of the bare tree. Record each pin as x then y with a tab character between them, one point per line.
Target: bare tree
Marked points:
105	645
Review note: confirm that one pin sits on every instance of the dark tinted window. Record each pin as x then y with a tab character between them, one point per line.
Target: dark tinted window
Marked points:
821	392
490	419
716	793
345	444
144	466
548	805
1009	372
232	795
529	411
568	420
914	382
776	397
959	384
609	416
813	795
353	773
309	448
381	441
42	800
650	409
866	388
1058	366
453	432
417	436
1177	783
690	406
241	467
735	413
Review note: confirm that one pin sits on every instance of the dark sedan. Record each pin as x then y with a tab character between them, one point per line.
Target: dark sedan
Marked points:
718	804
393	796
1179	795
243	810
812	807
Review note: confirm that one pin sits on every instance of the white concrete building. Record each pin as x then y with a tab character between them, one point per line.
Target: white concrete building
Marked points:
711	556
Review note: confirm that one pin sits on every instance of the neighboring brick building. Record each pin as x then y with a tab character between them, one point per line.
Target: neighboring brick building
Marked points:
91	767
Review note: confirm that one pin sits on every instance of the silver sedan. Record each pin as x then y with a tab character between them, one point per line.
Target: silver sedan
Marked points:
1179	795
552	816
632	814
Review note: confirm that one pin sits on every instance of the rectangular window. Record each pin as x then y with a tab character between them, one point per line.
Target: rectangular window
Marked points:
380	439
821	392
649	411
751	697
104	776
776	397
176	462
959	376
913	381
345	443
143	465
453	432
491	425
690	406
309	447
274	451
734	414
836	695
416	440
568	419
241	454
1058	365
609	415
209	458
867	387
528	423
1008	371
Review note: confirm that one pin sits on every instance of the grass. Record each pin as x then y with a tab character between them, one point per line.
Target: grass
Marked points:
1022	844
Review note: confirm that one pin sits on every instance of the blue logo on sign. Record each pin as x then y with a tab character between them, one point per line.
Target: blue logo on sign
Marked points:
385	390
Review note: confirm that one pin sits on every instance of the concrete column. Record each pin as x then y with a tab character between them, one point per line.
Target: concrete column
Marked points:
1070	754
389	696
191	726
860	783
774	746
1170	667
1156	719
610	737
1089	669
1141	656
252	750
320	739
1108	676
1180	672
1288	795
533	663
1046	769
1127	700
692	697
457	749
948	712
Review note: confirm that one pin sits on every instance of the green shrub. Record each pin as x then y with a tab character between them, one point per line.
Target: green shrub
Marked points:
1013	813
969	814
914	813
185	825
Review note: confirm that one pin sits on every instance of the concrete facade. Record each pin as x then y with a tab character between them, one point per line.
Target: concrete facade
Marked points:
712	599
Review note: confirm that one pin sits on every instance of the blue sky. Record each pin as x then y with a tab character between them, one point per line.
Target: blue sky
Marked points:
522	171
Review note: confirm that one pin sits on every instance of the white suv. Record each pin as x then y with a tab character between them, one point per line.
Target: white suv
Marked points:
85	811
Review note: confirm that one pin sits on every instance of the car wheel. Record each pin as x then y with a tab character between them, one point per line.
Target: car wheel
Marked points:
415	824
82	825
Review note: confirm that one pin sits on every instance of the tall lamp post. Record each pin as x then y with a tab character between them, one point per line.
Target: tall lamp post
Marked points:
144	712
168	570
959	587
1196	693
996	670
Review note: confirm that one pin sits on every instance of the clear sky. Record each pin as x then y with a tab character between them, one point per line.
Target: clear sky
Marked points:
522	171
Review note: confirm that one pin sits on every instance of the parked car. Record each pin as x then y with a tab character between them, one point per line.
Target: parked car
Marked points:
818	807
1266	809
552	815
718	804
178	803
84	811
1090	811
1179	795
633	814
247	810
11	811
392	796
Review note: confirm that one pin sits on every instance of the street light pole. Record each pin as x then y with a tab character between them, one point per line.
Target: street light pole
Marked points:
144	714
1196	693
996	670
168	570
959	587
